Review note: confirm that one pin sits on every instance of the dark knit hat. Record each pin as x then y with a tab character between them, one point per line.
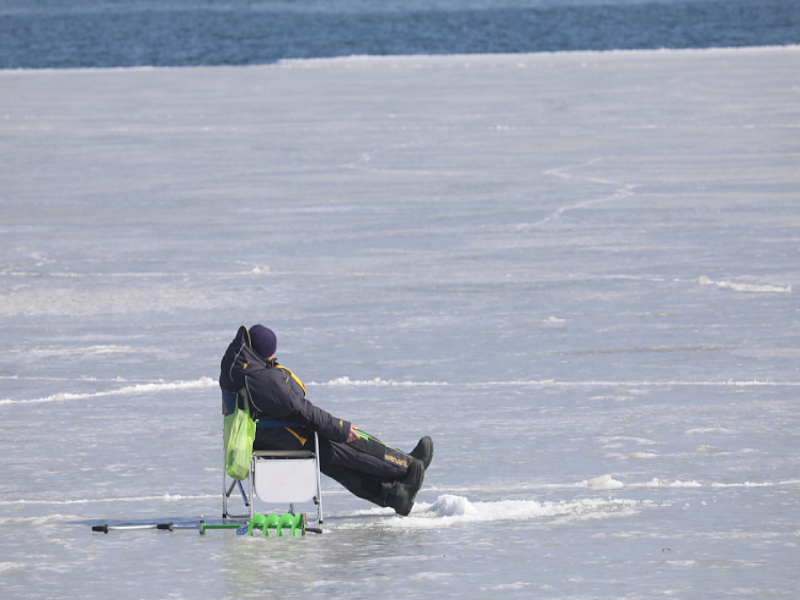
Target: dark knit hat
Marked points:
264	340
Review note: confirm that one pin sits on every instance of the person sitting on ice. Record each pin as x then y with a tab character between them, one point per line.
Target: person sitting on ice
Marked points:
365	466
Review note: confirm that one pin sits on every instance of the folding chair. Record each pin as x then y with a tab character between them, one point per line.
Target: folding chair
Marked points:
276	476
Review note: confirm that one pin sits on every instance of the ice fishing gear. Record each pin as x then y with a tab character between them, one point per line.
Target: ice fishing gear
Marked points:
105	528
296	524
206	526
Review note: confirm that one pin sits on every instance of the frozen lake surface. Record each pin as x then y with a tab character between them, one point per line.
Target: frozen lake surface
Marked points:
577	272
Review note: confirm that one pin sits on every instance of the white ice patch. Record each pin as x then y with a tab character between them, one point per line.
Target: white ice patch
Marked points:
518	585
702	430
552	320
639	455
685	484
751	484
449	506
140	388
743	287
707	448
604	482
450	510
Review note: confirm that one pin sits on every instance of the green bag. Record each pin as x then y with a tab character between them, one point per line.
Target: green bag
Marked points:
239	433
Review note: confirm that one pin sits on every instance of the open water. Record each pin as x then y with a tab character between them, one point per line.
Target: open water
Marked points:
112	33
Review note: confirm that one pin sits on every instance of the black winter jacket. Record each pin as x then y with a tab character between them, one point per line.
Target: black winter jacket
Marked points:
274	391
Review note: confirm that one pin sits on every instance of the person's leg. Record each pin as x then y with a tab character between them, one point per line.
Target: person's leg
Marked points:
364	469
423	450
370	457
382	482
373	489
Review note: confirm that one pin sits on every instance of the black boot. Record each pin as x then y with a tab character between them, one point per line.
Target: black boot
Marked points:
424	451
407	489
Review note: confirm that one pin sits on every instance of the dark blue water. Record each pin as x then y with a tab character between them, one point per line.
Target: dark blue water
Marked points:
110	33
